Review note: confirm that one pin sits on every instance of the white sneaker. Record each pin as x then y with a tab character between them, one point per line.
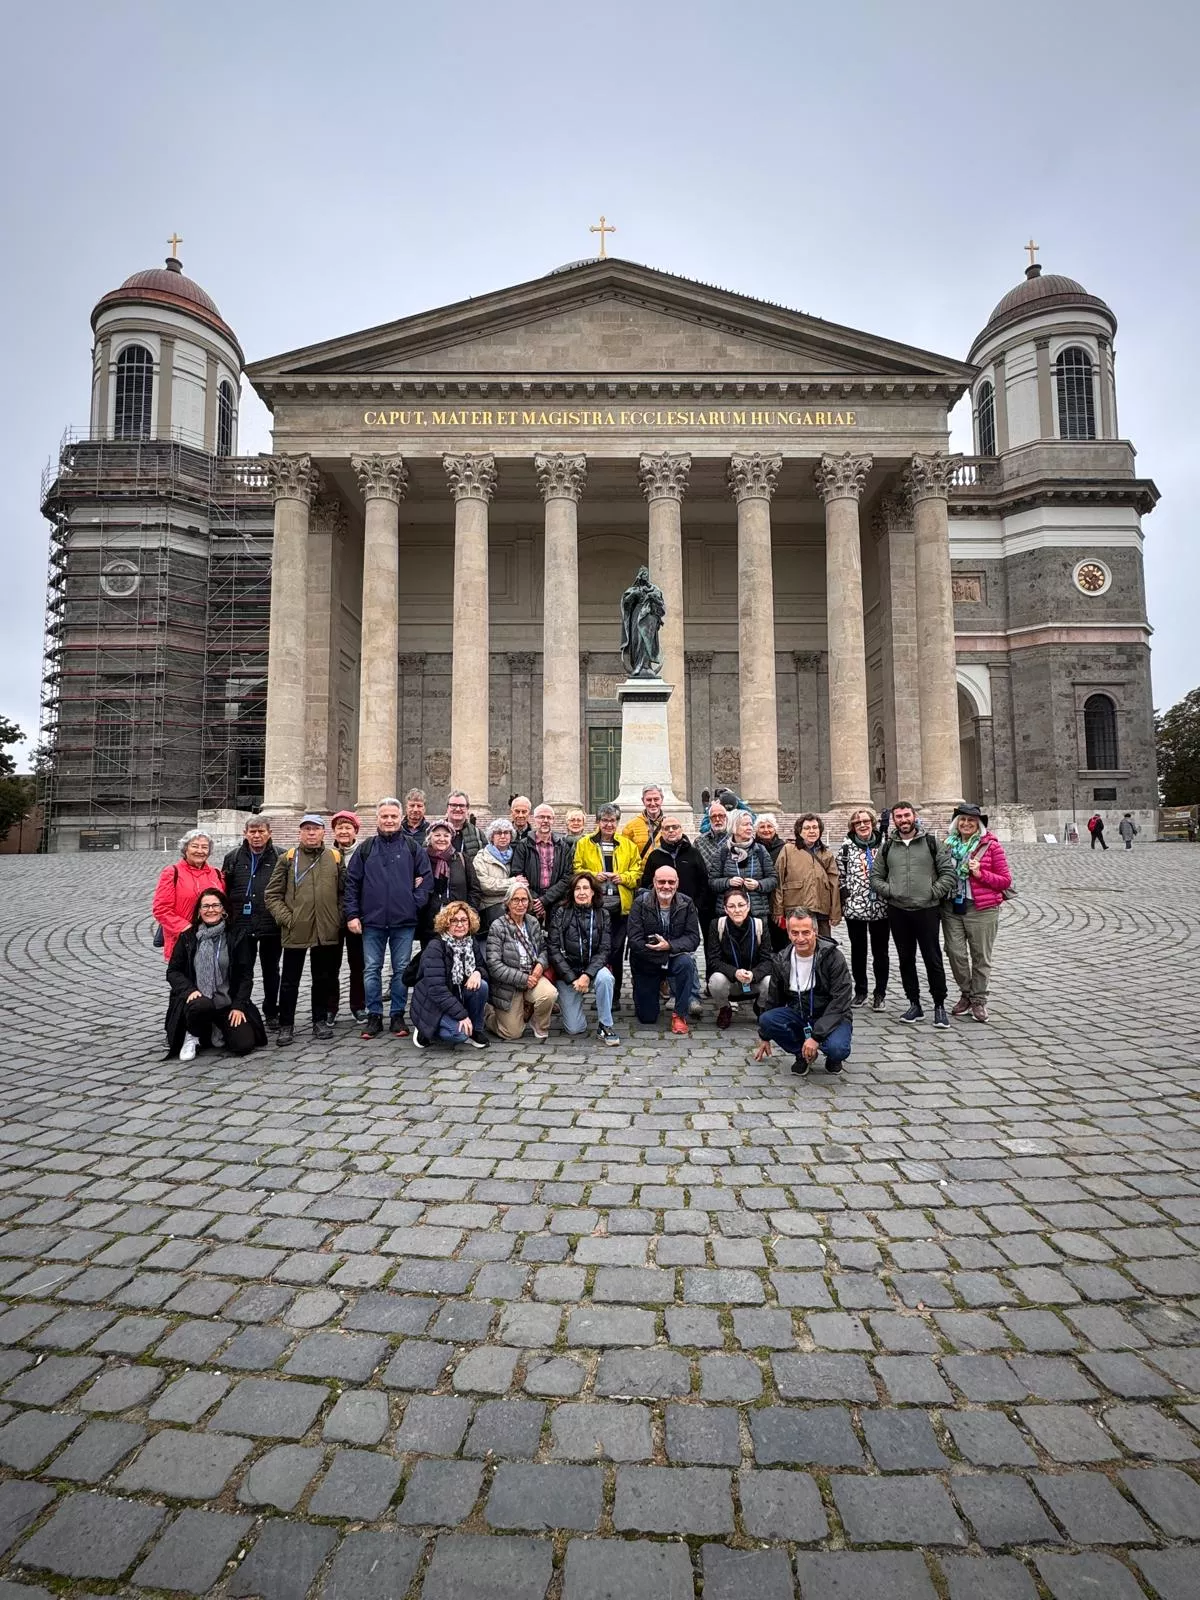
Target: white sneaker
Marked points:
540	1037
187	1050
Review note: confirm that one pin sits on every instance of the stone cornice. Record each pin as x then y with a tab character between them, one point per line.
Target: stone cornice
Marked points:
381	477
842	477
560	476
753	477
664	476
982	500
471	477
454	389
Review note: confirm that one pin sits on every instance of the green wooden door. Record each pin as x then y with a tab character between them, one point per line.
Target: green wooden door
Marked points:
604	766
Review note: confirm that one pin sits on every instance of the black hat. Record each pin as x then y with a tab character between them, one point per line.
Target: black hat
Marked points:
965	810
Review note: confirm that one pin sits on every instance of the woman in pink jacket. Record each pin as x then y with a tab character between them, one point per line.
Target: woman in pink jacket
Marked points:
180	886
971	915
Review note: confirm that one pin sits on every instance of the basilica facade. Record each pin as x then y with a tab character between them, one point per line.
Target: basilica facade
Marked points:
455	502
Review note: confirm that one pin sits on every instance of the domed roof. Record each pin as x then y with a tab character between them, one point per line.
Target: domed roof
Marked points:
1038	293
167	286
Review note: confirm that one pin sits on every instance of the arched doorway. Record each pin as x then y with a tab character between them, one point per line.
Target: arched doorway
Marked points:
968	747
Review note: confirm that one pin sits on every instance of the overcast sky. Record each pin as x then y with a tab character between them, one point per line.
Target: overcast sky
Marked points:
333	166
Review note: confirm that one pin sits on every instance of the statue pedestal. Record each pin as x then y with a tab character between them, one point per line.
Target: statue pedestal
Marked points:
646	751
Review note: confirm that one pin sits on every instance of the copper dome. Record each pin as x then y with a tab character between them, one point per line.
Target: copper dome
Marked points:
1039	292
167	286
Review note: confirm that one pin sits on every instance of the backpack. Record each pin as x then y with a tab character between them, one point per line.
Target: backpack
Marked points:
160	939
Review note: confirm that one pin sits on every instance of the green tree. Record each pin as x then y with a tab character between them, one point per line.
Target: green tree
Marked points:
17	794
1177	740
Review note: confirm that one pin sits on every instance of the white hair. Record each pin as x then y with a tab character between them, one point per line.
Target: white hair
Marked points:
768	816
736	818
194	833
388	800
499	825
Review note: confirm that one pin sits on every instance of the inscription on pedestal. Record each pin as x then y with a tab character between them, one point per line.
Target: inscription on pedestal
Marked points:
603	685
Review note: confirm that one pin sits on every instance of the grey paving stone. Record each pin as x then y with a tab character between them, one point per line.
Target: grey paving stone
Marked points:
912	1380
988	1439
269	1408
820	1436
373	1565
352	1357
559	1283
1003	1510
557	1376
904	1334
984	1379
734	1574
730	1378
822	1377
766	1329
599	1326
20	1505
71	1330
280	1477
433	1425
593	1431
628	1569
531	1327
440	1494
1067	1433
1146	1432
194	1341
1086	1577
359	1484
189	1397
705	1435
94	1453
488	1567
857	1575
782	1506
186	1466
642	1374
418	1364
508	1429
722	1286
52	1381
987	1578
541	1498
31	1436
488	1369
285	1559
681	1500
390	1313
914	1510
121	1389
256	1349
1172	1573
1091	1510
360	1416
1169	1496
191	1555
91	1536
1052	1378
902	1441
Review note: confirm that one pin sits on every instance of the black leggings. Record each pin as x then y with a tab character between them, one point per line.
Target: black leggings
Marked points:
323	960
860	932
202	1017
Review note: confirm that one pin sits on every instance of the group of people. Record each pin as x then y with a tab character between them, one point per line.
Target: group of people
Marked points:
519	918
1127	828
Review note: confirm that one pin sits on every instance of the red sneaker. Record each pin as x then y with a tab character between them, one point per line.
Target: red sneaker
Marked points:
679	1024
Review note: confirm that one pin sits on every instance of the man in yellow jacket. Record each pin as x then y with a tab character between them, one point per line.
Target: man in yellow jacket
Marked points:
645	828
616	864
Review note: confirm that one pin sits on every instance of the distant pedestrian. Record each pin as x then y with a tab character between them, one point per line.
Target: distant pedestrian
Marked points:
305	898
971	914
179	887
1128	829
810	999
865	913
913	874
1096	829
247	871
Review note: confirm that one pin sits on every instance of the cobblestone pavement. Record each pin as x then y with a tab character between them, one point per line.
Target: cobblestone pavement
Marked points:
598	1324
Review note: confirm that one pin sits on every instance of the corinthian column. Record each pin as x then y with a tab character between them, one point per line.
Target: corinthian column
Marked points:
752	483
840	481
327	522
561	479
295	481
382	480
472	482
664	482
928	482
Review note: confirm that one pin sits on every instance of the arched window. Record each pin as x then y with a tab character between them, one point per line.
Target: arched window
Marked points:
985	419
225	414
1076	399
135	393
1100	733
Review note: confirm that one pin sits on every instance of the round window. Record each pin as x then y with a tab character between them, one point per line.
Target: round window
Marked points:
119	579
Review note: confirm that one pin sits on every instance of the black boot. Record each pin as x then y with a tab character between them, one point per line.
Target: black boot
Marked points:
373	1026
322	1030
284	1036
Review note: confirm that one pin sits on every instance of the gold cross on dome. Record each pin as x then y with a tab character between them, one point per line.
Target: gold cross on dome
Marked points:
603	228
175	241
1033	250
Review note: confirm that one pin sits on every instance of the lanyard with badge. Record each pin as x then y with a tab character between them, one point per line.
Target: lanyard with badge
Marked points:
812	989
248	904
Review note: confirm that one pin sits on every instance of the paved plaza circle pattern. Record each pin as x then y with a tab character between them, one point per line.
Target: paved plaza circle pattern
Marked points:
559	1322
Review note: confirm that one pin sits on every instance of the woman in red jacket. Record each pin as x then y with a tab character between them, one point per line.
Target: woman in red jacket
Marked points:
971	915
180	886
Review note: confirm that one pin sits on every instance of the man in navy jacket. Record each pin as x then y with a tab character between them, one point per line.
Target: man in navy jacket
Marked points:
387	883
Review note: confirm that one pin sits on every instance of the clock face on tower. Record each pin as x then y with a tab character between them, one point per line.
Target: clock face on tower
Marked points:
1092	577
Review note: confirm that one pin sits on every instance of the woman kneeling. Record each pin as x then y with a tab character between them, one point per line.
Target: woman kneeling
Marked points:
450	994
580	942
211	978
517	959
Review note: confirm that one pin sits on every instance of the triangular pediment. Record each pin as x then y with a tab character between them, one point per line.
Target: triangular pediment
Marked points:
609	319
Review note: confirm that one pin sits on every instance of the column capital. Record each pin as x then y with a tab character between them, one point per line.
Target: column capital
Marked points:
842	477
807	660
930	476
412	662
892	511
293	478
381	477
328	516
560	477
471	477
664	476
698	660
520	660
753	477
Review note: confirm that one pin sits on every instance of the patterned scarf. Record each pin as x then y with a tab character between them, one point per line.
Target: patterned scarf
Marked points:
504	857
462	958
962	850
212	964
441	860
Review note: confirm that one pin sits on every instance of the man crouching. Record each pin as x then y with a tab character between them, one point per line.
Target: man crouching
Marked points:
810	999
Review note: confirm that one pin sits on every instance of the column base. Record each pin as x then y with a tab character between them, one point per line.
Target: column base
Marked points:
646	748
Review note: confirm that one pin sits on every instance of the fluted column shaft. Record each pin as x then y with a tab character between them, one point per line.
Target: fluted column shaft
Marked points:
928	481
840	481
382	480
472	482
561	479
752	483
295	481
664	483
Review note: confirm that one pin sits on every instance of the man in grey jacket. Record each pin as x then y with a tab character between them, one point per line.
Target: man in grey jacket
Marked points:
912	875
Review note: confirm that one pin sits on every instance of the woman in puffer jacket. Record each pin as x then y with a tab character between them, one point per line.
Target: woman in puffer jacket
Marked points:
743	863
971	914
864	911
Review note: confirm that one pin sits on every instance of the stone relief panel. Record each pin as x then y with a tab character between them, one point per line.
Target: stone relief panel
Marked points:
437	767
788	765
967	588
727	766
497	766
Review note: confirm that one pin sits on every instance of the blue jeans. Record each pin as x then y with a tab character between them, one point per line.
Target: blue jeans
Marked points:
473	1001
570	1002
375	941
680	973
785	1027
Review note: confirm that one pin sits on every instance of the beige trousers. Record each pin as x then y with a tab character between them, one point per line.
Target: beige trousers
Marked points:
969	941
510	1023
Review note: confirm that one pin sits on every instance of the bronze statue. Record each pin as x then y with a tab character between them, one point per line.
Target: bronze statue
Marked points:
642	614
